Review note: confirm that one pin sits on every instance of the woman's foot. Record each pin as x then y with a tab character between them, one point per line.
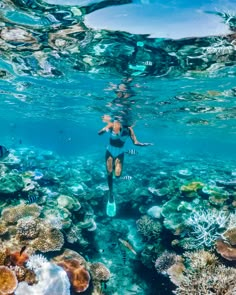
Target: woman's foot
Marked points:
111	207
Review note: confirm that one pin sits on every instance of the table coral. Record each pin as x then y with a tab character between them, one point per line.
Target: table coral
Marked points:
226	250
192	186
11	215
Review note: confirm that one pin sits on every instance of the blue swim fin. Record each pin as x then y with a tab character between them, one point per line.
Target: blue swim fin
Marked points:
111	209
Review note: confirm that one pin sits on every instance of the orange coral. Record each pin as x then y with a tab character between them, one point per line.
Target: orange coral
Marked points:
78	275
8	281
18	258
75	266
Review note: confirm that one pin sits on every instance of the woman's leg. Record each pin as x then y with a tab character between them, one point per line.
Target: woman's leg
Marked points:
119	165
109	167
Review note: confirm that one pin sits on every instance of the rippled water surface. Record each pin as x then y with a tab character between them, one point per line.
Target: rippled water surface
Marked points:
59	74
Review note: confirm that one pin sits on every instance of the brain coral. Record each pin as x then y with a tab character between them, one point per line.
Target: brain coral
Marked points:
12	214
8	281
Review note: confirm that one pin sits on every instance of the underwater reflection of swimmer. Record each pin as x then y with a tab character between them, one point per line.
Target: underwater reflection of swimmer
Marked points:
114	156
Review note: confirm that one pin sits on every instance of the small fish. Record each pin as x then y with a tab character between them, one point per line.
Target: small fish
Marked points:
128	246
22	250
132	152
126	177
32	199
3	152
123	253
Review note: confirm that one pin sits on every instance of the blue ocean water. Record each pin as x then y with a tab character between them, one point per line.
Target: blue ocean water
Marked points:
175	199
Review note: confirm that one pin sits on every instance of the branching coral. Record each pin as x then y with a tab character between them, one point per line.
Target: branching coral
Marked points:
149	227
205	227
206	276
36	261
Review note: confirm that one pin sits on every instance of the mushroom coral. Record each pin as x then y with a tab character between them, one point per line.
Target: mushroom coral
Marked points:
8	281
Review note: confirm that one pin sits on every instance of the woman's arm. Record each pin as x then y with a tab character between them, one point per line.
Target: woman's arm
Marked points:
134	139
105	129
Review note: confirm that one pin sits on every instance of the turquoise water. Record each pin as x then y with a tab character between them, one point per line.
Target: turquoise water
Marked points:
174	229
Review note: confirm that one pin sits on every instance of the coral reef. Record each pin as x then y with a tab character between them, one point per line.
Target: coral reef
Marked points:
49	239
226	250
51	278
11	215
75	266
148	227
27	228
99	272
8	281
206	226
204	275
165	261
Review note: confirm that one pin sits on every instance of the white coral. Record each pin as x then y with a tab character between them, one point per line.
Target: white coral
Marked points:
52	280
36	262
206	226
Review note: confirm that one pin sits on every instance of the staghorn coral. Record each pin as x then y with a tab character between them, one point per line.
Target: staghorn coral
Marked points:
205	227
8	281
149	227
99	272
27	228
201	259
12	214
207	280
